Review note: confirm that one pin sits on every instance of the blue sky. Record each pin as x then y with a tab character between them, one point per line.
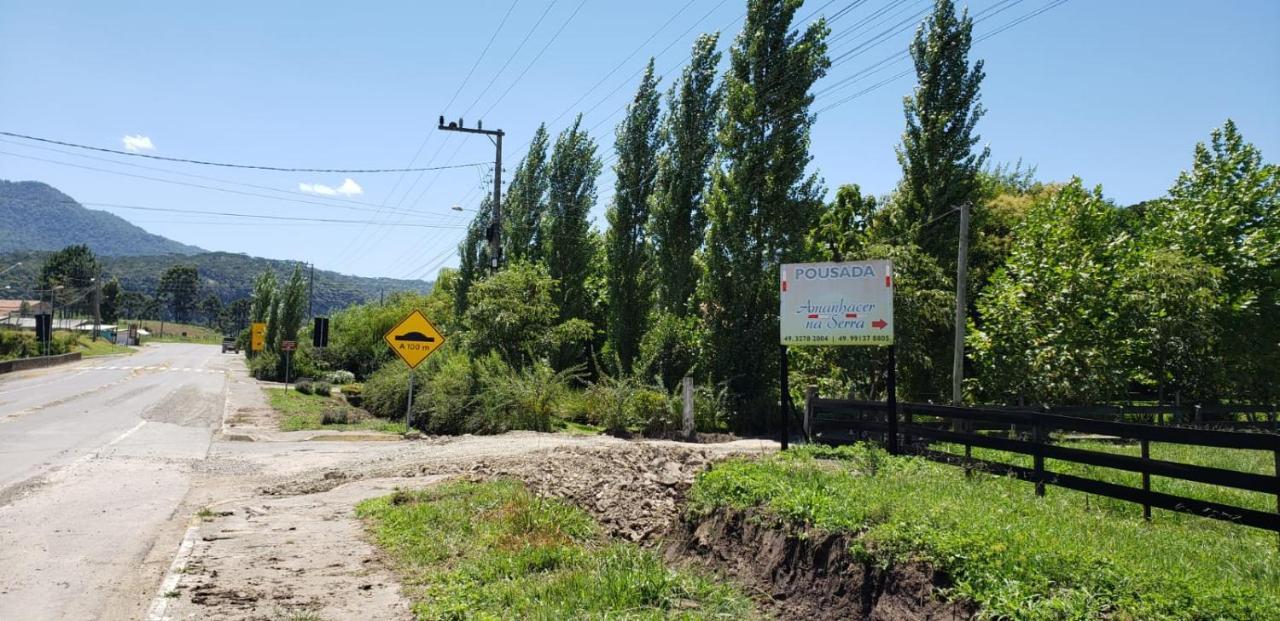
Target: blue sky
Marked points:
1115	92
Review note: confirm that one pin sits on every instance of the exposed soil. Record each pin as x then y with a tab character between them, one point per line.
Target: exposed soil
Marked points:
810	575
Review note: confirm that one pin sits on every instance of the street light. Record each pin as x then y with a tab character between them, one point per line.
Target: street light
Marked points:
455	208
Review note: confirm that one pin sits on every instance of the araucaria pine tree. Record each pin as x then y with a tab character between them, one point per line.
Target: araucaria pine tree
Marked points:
626	242
571	192
762	202
688	145
524	203
939	166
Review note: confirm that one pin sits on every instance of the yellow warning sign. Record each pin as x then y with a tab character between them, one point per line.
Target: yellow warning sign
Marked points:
414	338
258	337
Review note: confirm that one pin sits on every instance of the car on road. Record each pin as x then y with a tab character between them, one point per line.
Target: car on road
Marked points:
230	344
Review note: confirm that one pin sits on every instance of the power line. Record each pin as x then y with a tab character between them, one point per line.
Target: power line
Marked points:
533	62
226	165
186	184
234	214
191	175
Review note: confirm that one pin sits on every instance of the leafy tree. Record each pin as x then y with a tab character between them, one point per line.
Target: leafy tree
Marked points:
355	339
689	144
513	313
939	166
70	272
1050	329
263	305
136	305
180	284
1225	211
841	232
292	307
1170	317
237	315
473	255
571	194
626	242
762	204
211	310
526	200
109	304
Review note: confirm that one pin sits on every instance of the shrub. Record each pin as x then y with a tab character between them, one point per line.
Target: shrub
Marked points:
651	408
608	398
340	377
385	393
304	386
323	389
711	408
575	406
531	397
264	366
669	350
443	402
341	416
353	394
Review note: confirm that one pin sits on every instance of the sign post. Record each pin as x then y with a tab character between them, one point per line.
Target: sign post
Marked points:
413	339
838	304
287	347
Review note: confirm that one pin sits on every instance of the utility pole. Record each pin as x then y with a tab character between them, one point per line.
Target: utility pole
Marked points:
495	224
97	306
311	292
962	276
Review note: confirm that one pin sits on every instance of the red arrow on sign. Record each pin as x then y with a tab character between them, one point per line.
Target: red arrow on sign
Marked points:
879	324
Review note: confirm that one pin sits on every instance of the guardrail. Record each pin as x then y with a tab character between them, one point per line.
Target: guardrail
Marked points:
919	426
38	362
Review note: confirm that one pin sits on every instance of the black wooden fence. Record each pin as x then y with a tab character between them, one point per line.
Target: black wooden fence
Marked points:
917	426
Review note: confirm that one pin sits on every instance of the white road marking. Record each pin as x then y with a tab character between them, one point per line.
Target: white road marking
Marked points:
160	603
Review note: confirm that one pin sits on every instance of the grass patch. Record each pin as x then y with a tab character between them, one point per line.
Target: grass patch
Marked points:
299	412
176	332
101	347
1259	462
495	551
581	429
1017	556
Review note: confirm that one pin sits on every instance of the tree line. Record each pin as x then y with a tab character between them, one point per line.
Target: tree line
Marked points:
1073	299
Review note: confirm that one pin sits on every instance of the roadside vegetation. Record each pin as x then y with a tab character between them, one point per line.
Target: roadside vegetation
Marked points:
1015	555
495	550
101	347
302	411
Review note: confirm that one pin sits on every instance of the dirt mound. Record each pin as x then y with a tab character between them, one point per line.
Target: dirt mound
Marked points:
810	575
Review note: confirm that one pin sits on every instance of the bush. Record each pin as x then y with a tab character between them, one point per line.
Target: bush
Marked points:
385	393
340	377
265	365
353	393
609	398
529	398
323	389
304	386
711	408
669	350
442	404
652	409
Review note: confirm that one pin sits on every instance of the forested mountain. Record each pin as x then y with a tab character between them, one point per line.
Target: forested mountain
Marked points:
36	216
227	275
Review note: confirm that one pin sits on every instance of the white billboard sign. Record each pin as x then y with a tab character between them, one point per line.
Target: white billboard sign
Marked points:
837	303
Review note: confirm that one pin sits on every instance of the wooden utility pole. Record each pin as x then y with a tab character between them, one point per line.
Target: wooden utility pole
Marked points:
962	277
495	223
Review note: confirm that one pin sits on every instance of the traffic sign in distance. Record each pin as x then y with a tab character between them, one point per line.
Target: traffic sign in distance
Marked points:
258	337
288	345
320	332
414	338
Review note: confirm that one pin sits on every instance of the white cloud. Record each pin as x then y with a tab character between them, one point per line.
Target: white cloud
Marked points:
348	188
138	143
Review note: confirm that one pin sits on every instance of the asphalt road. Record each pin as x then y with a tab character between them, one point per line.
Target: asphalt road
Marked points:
94	459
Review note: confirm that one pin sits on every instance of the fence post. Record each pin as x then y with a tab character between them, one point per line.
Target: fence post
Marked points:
892	385
1146	479
810	393
689	428
784	398
1036	432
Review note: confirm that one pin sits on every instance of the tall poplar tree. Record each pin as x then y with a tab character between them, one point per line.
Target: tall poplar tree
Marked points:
762	203
525	202
939	166
688	145
571	192
626	241
473	255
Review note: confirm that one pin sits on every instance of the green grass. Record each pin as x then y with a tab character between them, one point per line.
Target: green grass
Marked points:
173	332
299	412
1015	555
1260	462
101	347
495	551
581	429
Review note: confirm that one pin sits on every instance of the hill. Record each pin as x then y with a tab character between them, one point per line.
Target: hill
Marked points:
230	276
36	216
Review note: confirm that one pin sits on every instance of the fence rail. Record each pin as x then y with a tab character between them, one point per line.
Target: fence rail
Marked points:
1022	432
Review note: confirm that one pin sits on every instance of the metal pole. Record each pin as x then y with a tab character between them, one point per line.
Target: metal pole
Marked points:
783	396
893	399
288	360
408	408
97	306
962	276
495	247
311	292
